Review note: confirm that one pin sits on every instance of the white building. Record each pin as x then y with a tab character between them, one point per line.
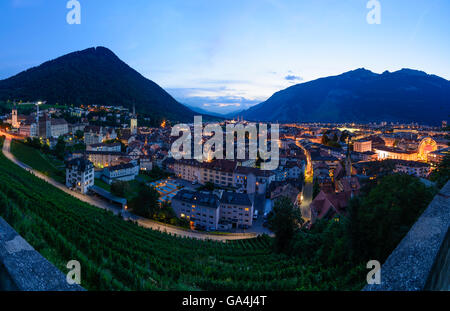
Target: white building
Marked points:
79	175
121	172
97	134
58	128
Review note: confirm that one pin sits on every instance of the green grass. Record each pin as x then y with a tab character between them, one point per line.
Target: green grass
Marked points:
119	255
146	178
133	186
39	161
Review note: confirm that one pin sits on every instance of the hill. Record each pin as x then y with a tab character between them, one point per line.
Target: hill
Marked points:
93	76
361	96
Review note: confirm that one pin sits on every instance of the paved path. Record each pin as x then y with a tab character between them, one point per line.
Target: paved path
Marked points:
307	199
147	223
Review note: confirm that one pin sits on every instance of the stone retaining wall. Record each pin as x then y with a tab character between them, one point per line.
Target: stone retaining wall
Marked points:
421	261
23	268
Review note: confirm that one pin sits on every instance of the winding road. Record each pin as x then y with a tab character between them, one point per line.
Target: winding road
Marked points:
147	223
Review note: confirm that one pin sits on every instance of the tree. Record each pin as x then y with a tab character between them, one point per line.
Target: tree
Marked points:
33	142
79	134
442	173
330	142
379	220
146	203
45	148
60	148
120	188
285	221
316	188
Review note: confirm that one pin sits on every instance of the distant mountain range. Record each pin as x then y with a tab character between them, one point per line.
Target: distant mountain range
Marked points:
216	114
360	95
89	77
98	76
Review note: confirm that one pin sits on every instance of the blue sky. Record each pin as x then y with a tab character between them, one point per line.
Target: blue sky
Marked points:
224	55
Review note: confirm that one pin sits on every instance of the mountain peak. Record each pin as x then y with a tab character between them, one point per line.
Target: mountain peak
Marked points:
94	76
411	72
99	51
360	72
360	96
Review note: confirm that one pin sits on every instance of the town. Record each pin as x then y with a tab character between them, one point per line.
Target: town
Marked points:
103	152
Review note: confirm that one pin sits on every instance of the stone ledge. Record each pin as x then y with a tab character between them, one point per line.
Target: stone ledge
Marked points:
420	261
27	269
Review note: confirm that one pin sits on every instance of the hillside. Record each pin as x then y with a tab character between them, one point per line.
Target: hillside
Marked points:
361	96
93	76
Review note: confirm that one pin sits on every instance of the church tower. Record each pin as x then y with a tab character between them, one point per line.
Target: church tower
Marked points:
14	118
133	122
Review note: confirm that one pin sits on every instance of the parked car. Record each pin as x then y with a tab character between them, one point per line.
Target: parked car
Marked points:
255	215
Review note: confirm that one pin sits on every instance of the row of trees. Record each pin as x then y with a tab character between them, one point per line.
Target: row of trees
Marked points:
59	149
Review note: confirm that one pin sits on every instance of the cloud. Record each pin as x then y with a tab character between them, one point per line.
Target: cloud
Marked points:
293	78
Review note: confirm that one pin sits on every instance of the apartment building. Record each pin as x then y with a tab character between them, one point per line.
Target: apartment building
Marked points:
224	173
201	209
79	175
362	145
59	127
237	209
219	172
188	170
102	159
418	169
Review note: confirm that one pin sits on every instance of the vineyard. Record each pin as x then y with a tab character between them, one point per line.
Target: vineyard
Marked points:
120	255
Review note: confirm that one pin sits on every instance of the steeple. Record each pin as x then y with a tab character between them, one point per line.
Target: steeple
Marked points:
14	120
133	122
